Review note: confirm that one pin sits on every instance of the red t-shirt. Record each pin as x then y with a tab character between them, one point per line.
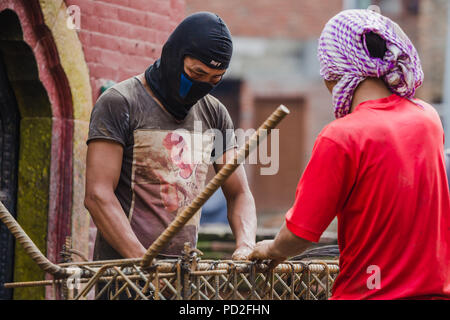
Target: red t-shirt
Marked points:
381	170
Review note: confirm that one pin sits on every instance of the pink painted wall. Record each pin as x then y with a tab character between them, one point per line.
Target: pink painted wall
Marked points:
121	38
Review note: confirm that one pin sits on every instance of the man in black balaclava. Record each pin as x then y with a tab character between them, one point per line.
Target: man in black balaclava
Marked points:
145	163
202	36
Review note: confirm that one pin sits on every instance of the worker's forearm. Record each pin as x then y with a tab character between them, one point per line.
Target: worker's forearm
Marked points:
242	219
114	226
286	244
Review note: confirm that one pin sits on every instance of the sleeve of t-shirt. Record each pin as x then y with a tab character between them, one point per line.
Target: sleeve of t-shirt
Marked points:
227	139
322	190
110	118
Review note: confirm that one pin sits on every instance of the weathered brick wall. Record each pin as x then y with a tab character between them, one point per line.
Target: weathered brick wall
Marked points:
291	19
121	38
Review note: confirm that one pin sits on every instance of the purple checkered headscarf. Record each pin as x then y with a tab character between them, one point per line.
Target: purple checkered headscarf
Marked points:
344	57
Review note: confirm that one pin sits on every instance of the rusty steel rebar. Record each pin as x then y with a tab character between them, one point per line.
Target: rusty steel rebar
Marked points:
30	248
60	270
213	185
191	278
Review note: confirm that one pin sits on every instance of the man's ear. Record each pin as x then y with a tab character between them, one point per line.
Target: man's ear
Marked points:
330	84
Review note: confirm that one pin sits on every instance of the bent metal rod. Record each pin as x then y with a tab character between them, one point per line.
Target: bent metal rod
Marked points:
62	270
213	185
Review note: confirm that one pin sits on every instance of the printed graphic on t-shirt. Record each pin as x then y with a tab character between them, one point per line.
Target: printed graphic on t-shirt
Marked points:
169	171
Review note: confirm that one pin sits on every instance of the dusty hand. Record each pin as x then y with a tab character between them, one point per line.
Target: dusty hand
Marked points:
242	253
263	250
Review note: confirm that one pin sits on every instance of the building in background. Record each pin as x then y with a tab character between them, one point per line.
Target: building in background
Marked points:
275	61
50	75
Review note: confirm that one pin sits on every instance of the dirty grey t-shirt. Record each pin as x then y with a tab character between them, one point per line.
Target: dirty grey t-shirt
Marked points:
165	162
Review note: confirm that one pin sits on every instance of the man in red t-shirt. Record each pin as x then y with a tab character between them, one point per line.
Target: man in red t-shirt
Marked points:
379	168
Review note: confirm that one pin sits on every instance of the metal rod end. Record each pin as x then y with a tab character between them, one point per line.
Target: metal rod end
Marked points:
284	109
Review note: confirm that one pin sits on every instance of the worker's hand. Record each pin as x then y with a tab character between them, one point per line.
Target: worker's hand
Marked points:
242	253
263	250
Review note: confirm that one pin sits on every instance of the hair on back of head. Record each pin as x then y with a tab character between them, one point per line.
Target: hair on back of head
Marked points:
375	45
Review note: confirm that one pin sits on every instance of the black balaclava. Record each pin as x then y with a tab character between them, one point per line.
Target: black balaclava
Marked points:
203	36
